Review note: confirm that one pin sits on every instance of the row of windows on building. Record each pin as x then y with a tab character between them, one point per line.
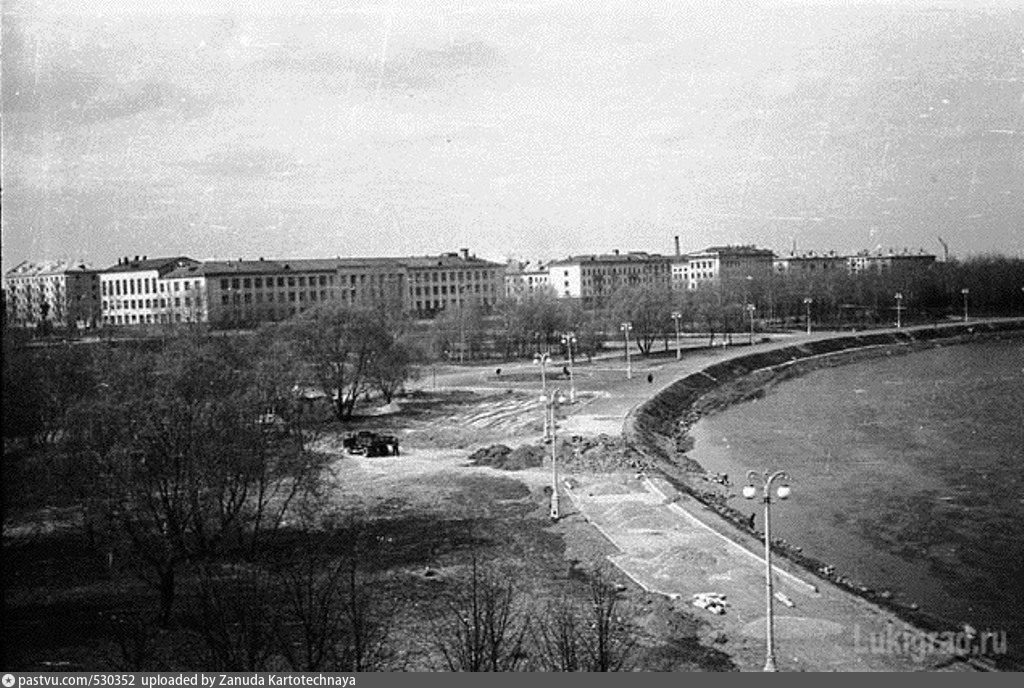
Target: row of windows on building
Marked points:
147	318
444	290
134	304
144	285
439	304
268	297
460	276
272	282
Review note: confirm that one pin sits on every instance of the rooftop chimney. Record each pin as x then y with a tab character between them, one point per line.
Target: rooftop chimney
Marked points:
136	259
615	251
677	246
465	253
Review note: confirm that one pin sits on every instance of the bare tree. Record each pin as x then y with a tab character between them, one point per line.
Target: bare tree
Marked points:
331	617
482	627
178	466
586	637
609	643
342	346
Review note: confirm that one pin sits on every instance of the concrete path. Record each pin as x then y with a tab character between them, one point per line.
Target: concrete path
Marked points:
667	550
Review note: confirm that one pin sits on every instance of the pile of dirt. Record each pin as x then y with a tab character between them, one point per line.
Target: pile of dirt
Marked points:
508	459
601	454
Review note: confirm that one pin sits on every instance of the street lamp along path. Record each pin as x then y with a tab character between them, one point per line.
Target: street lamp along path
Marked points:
550	403
569	338
783	492
626	328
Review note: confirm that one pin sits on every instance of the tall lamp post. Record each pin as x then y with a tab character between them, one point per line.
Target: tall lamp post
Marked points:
676	316
542	360
965	293
462	330
750	311
749	492
899	310
626	328
550	402
569	338
807	302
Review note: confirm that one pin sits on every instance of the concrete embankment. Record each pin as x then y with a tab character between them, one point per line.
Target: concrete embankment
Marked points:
658	428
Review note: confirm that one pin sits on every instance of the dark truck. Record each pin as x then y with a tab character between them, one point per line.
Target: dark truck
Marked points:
366	443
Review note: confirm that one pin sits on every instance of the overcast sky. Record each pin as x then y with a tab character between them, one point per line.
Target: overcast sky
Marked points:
530	129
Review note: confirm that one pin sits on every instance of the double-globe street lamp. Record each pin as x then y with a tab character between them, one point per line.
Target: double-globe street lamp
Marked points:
550	402
749	492
626	328
542	359
750	310
807	302
569	338
965	293
899	310
676	316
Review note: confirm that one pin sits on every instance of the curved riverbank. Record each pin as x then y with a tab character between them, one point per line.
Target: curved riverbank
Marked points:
660	427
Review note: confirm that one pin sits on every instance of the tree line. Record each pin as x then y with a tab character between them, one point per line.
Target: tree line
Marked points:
190	464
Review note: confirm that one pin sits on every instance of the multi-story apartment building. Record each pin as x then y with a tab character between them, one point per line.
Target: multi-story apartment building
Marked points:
525	278
594	277
810	264
60	293
885	262
720	263
134	291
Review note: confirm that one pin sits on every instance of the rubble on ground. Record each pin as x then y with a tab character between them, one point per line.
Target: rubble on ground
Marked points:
600	454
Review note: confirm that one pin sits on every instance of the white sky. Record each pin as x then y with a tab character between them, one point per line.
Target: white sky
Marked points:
532	129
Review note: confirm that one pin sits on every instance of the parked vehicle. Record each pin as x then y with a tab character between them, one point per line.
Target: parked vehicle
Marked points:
367	443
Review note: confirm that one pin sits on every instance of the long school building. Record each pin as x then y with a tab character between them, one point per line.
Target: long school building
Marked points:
242	292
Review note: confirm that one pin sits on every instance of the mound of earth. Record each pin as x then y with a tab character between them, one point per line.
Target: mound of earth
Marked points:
505	458
602	454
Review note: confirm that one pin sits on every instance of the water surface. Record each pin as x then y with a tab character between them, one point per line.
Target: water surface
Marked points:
907	474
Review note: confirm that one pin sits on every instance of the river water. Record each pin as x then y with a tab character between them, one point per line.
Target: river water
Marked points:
908	475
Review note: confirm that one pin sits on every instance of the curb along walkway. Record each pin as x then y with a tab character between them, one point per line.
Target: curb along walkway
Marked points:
665	550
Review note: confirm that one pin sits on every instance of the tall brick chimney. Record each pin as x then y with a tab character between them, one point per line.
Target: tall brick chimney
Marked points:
677	246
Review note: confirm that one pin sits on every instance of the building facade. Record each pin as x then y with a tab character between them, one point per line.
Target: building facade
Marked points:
810	264
60	294
245	292
865	262
134	291
592	278
523	278
720	263
436	283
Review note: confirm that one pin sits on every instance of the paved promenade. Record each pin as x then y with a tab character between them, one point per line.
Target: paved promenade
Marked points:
672	544
665	548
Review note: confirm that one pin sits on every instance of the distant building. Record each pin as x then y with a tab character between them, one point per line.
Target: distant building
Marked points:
134	291
525	278
239	292
60	293
864	262
594	277
810	264
452	280
721	263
